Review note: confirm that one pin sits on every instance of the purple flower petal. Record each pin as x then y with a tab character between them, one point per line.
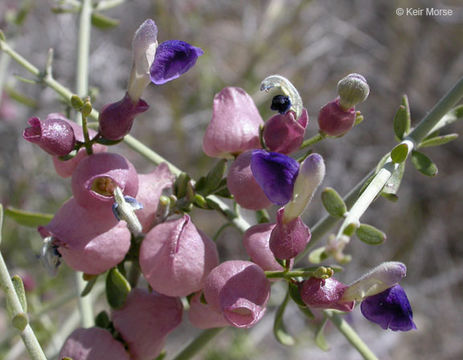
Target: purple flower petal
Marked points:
276	174
389	309
173	58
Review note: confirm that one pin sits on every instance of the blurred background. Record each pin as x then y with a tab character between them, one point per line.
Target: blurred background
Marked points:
314	44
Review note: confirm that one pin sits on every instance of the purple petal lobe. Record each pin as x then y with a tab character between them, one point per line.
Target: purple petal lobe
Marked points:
389	309
173	58
276	174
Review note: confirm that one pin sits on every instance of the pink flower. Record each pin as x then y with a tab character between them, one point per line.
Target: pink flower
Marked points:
325	294
283	133
116	119
203	316
88	241
150	187
288	239
93	344
145	320
235	123
256	241
175	257
96	177
238	289
333	120
54	135
243	186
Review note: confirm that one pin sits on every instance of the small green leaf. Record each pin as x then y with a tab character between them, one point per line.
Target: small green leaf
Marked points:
117	288
214	177
102	320
333	203
27	218
449	118
318	255
19	288
349	230
90	283
161	356
180	185
439	140
295	293
20	321
423	164
279	329
2	35
358	118
370	235
392	186
399	153
262	216
103	22
320	336
402	119
76	102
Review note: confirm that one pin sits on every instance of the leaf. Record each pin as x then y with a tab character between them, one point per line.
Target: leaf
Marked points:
117	288
402	119
318	255
370	235
438	140
279	329
399	153
320	336
392	186
20	321
423	164
27	218
102	320
333	203
90	283
449	118
103	22
19	288
214	177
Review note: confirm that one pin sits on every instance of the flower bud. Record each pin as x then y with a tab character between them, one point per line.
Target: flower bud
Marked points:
116	119
96	177
54	135
89	241
238	289
333	120
243	185
92	344
175	257
311	174
203	316
235	123
283	133
376	280
150	187
144	45
352	90
325	294
389	309
173	58
275	173
256	242
145	320
288	239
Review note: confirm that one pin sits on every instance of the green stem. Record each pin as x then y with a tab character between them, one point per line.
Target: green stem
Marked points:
289	274
350	335
4	63
312	141
197	344
27	335
134	273
87	143
85	303
108	4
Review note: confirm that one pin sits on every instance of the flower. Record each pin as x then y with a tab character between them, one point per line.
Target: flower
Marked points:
334	120
173	58
275	173
145	320
96	177
352	89
243	185
389	309
288	239
92	344
175	257
203	316
325	294
235	123
54	135
239	290
284	133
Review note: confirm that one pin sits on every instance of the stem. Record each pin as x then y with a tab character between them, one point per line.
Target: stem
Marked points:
197	344
27	335
312	141
83	49
108	4
4	63
134	273
350	335
87	143
85	303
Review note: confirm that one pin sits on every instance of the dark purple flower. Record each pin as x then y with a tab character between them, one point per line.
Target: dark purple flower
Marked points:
275	173
389	309
116	119
173	58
